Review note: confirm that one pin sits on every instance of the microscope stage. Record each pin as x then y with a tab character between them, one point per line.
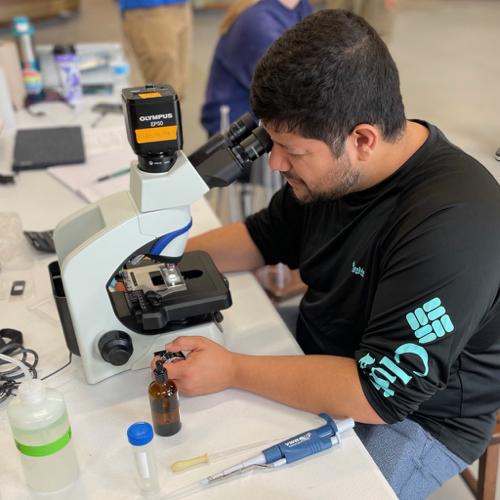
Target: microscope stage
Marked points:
147	311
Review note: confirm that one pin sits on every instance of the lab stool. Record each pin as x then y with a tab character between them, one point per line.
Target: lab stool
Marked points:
484	487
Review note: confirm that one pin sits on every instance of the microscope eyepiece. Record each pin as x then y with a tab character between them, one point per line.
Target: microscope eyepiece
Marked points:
240	128
221	160
255	145
258	143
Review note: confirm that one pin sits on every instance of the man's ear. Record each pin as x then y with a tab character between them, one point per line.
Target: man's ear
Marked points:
363	140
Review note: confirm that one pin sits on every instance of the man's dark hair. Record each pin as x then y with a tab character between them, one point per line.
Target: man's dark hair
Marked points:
324	76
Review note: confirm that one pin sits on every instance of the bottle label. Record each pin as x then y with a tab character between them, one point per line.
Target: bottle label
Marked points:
46	449
69	77
32	78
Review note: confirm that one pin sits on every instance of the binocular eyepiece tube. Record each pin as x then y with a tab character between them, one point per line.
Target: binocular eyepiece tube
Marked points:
221	160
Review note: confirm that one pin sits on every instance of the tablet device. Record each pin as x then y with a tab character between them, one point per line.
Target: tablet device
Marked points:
46	147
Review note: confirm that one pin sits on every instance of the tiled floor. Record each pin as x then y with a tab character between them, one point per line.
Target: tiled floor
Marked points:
447	51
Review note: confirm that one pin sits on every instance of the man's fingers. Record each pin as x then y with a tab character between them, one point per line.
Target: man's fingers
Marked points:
175	372
185	344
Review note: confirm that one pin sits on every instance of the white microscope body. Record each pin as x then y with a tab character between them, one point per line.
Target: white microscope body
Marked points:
96	241
166	294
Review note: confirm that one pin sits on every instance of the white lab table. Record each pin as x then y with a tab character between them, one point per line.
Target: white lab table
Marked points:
100	414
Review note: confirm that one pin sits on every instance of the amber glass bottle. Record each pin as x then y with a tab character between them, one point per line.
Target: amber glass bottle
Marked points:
164	402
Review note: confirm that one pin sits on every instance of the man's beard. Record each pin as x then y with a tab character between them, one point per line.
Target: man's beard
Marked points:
337	185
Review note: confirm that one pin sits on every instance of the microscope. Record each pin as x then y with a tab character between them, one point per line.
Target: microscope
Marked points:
122	283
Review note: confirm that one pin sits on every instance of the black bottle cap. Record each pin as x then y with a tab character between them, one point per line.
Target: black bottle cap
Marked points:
160	372
61	49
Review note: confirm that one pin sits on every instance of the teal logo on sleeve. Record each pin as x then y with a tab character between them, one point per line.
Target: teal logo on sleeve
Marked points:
430	321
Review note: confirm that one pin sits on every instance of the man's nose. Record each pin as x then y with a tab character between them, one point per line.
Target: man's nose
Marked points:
278	161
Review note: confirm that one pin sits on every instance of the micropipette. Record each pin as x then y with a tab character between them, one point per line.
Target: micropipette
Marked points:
286	452
215	457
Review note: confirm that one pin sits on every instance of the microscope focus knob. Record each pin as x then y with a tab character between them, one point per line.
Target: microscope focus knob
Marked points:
116	347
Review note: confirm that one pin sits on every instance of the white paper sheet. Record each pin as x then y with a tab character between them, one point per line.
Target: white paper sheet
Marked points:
99	140
83	179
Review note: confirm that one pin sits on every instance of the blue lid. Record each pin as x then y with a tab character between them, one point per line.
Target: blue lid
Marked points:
21	25
140	433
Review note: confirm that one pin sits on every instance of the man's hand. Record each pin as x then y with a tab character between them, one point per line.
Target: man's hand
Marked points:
208	367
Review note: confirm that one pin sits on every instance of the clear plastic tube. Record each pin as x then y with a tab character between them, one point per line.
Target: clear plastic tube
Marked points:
21	365
140	436
147	475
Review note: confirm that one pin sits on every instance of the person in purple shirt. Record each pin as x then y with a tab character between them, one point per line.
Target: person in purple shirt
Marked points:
249	28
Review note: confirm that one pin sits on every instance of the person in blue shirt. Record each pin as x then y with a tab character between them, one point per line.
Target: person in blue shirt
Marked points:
249	28
160	34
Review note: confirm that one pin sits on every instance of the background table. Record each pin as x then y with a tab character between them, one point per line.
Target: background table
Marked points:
100	414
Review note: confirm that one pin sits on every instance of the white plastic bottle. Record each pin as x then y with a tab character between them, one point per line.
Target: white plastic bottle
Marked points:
42	433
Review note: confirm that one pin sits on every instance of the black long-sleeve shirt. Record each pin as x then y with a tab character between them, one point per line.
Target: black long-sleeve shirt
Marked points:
405	278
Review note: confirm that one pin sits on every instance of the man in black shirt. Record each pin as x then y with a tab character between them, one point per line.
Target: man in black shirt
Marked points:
396	233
